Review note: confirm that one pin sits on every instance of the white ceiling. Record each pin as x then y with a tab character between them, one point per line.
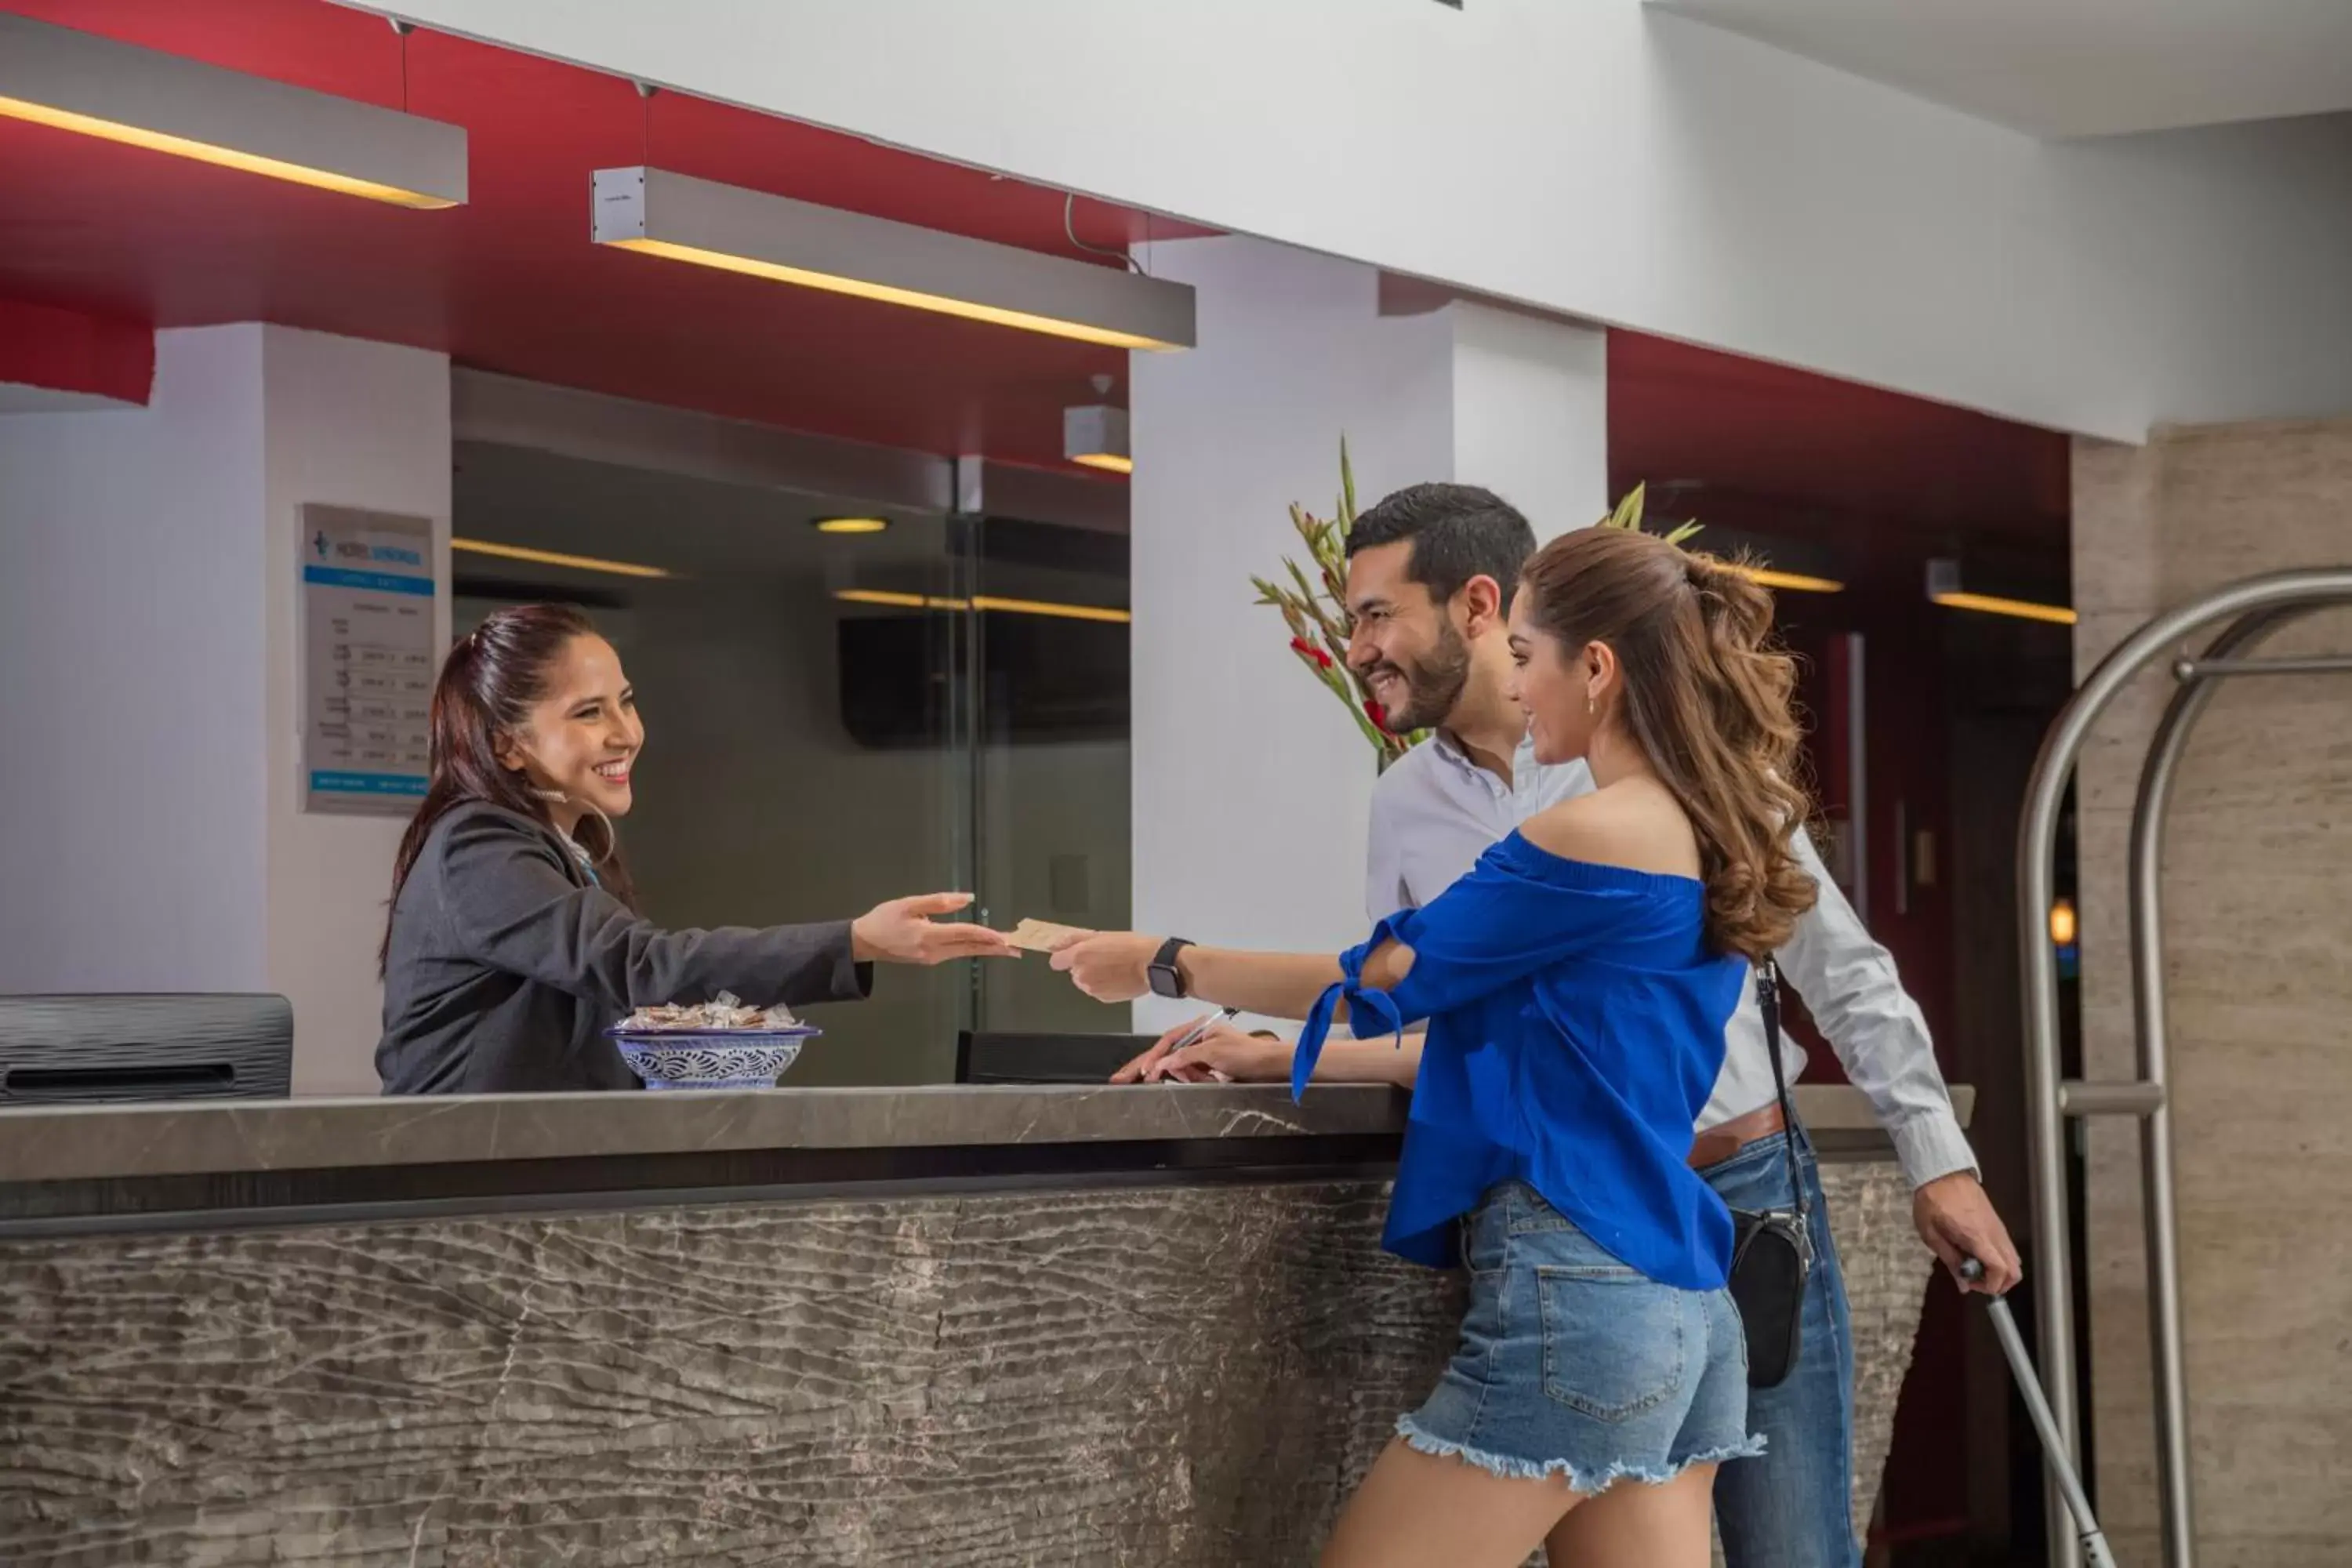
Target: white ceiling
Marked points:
2073	68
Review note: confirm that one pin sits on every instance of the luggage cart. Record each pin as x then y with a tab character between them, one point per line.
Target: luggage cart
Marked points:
2249	612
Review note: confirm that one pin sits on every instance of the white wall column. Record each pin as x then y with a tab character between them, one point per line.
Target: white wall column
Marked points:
151	838
131	645
1251	786
360	425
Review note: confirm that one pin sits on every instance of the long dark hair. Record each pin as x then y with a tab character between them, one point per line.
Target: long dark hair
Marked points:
486	690
1708	696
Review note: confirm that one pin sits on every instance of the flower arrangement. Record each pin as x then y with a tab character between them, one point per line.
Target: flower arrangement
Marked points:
1316	610
1315	607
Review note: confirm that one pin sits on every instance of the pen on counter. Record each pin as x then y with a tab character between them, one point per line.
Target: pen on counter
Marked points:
1193	1036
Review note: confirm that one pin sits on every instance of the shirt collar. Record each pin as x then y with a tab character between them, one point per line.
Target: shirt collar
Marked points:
1523	760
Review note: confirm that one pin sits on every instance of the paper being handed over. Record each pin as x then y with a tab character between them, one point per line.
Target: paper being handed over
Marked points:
1043	936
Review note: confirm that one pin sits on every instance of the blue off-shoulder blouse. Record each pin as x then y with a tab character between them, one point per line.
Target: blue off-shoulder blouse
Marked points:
1576	1017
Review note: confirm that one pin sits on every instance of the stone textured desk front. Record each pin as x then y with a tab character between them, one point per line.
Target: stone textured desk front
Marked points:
945	1326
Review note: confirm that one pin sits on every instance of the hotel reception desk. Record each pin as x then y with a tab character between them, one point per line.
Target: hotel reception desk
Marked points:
951	1326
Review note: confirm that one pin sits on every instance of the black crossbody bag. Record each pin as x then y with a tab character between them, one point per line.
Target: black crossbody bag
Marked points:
1773	1251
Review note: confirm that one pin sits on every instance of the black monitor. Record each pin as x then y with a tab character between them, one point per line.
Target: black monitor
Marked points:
68	1050
1007	1057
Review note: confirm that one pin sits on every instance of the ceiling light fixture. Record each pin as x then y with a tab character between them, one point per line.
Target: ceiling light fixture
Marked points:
736	230
1786	565
97	87
1097	435
1946	588
556	558
1059	611
1050	607
851	524
1787	582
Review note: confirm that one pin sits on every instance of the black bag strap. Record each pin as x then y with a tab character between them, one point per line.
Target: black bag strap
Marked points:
1767	1001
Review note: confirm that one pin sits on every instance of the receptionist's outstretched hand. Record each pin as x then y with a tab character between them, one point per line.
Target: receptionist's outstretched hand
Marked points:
903	932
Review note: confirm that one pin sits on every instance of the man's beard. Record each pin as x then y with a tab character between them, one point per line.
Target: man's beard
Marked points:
1432	686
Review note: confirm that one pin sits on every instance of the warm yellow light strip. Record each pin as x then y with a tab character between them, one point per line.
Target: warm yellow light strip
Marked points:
1789	582
985	602
898	600
863	289
227	157
1048	607
852	524
2024	610
556	558
1112	462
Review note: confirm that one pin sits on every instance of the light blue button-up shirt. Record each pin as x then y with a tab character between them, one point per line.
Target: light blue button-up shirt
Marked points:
1434	812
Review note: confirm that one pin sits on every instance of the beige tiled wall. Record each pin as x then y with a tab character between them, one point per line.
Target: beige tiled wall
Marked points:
2258	902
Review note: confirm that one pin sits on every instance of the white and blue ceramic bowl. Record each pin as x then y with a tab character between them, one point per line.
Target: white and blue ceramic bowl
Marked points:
737	1059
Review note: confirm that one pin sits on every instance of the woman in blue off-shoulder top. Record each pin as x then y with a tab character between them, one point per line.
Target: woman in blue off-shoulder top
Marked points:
1576	986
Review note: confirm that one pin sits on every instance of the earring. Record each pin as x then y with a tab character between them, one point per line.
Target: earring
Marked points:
1590	705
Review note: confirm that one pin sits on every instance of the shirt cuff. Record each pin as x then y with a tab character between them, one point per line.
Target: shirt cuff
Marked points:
1930	1146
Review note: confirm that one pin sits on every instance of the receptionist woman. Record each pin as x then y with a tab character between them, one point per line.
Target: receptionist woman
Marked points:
514	941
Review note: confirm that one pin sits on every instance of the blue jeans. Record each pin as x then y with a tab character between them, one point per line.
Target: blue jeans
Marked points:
1793	1508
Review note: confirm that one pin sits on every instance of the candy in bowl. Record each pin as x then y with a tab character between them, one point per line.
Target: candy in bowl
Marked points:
712	1045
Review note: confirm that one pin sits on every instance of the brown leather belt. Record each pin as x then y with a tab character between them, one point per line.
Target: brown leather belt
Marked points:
1726	1138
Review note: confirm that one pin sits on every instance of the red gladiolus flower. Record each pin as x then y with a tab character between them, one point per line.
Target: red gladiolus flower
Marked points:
1308	650
1378	715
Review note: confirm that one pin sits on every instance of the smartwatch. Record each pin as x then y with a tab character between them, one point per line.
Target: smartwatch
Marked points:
1166	980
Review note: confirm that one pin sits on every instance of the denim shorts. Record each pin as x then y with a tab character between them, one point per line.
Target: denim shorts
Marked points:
1573	1364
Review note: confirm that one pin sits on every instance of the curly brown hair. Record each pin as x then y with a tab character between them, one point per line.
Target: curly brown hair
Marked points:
1708	696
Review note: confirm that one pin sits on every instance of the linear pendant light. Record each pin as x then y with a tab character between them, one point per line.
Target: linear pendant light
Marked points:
556	558
1050	607
1948	588
787	241
1784	565
1095	436
1787	582
79	81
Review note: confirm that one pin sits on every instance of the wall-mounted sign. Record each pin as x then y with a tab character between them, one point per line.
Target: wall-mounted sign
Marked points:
368	660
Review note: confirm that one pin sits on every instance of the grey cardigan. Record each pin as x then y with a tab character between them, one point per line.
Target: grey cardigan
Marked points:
508	963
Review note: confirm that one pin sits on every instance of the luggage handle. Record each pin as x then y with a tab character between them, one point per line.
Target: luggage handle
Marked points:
2037	1405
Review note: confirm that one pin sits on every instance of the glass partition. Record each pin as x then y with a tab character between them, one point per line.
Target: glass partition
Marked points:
902	704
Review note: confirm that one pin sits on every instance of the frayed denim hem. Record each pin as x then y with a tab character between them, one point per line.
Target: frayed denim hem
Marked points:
1583	1482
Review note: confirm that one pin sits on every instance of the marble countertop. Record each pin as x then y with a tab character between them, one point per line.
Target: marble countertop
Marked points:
190	1137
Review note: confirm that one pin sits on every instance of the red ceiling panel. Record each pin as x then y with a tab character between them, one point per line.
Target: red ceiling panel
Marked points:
72	350
509	282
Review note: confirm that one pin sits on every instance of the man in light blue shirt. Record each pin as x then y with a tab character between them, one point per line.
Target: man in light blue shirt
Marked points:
1429	572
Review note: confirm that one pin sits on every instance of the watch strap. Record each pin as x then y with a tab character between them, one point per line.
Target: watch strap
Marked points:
1164	961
